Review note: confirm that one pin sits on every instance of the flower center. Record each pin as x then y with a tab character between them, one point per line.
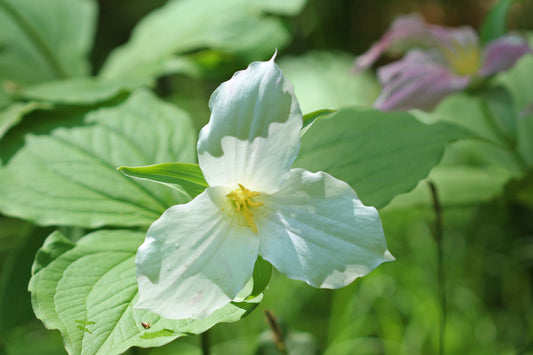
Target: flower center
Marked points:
242	199
464	60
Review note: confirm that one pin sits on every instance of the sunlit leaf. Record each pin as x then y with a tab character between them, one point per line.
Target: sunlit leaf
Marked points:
45	40
73	293
69	176
183	176
79	91
234	26
379	154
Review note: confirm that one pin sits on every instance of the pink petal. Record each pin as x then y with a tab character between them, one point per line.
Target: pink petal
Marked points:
409	28
410	31
416	81
502	53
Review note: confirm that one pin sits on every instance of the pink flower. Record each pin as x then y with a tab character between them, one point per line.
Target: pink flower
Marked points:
439	61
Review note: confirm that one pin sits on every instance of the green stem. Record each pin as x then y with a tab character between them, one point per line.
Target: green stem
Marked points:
438	230
204	343
47	54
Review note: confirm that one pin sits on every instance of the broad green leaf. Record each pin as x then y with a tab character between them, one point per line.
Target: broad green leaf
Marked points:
69	176
467	111
45	40
457	186
472	112
179	27
499	104
312	117
495	23
88	293
12	114
379	154
325	80
79	91
184	176
40	122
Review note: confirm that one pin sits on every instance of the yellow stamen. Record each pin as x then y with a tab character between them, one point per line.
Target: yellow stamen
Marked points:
242	199
463	59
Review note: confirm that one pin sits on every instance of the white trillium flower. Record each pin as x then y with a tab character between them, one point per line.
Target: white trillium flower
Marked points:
310	226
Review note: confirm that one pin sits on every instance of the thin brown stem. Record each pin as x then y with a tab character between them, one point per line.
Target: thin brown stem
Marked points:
438	232
204	343
277	333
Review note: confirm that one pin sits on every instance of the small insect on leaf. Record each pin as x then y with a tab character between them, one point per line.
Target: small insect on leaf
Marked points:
146	325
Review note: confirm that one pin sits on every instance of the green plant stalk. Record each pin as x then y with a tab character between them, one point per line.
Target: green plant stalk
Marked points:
47	54
438	231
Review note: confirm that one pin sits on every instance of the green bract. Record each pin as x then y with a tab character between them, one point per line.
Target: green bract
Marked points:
310	226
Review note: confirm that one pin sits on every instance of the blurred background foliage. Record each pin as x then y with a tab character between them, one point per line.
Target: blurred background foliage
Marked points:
488	234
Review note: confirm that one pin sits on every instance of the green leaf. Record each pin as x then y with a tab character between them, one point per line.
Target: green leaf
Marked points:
312	117
380	154
79	91
325	80
498	104
89	291
12	114
45	40
69	176
473	113
261	276
234	26
457	186
55	245
495	23
184	176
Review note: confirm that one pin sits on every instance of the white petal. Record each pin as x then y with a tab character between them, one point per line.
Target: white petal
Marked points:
253	134
315	229
195	258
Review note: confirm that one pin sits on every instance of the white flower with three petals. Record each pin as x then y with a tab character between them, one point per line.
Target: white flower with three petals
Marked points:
310	226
